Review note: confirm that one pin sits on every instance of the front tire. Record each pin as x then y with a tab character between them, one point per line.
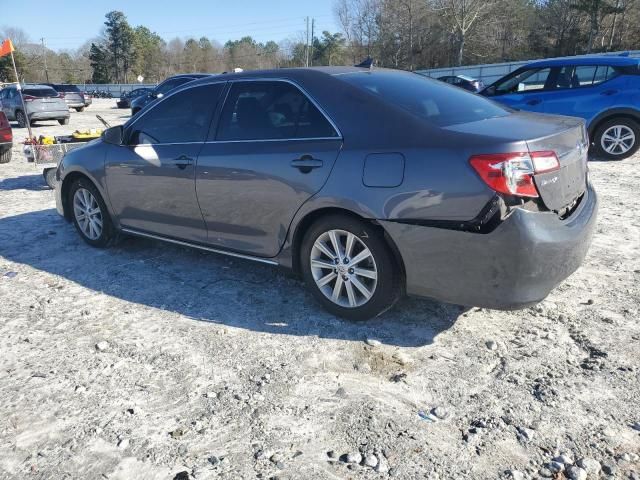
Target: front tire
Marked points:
80	109
90	215
64	121
617	138
349	268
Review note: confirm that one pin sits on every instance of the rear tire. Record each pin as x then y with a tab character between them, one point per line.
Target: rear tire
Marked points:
50	177
617	138
90	215
63	121
356	288
80	109
5	157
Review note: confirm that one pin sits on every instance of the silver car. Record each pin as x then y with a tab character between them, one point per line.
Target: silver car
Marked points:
370	183
72	95
41	102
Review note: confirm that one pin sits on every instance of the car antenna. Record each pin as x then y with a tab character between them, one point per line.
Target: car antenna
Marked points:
366	63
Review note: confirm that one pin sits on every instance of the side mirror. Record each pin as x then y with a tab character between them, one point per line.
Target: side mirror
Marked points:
489	91
113	135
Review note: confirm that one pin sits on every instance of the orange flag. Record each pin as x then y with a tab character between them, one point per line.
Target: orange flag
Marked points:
6	48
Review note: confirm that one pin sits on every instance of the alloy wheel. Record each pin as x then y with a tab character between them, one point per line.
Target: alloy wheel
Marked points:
343	268
87	213
618	140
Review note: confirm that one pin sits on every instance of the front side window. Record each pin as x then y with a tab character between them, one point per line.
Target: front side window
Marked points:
271	110
523	81
181	118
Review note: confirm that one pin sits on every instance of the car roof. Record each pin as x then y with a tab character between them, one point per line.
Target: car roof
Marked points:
36	85
611	60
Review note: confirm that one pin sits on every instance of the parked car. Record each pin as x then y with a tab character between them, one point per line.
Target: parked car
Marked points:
603	90
162	89
463	81
41	102
71	94
6	139
127	97
452	196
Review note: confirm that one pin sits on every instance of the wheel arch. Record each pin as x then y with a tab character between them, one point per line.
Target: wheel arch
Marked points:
311	217
607	115
68	180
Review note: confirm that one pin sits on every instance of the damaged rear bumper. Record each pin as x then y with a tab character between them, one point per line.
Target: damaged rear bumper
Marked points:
514	266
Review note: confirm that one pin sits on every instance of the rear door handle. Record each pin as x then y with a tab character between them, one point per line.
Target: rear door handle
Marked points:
609	92
534	101
183	162
306	163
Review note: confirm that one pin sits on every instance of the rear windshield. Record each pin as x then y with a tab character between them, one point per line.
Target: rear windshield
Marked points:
67	88
40	92
434	101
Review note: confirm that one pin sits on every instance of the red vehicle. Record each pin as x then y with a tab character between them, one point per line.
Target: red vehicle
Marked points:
6	139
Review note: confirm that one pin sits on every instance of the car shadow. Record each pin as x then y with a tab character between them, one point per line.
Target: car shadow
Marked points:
24	182
205	286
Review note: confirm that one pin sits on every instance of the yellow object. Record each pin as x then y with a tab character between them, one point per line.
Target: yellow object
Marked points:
87	134
46	140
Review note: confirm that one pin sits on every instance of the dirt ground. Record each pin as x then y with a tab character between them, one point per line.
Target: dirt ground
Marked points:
150	361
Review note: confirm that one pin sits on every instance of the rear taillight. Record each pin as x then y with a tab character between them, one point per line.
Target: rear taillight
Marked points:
28	98
6	135
512	173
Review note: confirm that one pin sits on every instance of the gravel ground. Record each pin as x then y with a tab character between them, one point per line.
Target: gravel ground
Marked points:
150	361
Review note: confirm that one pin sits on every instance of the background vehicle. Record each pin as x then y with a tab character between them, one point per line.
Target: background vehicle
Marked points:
463	81
41	101
162	89
127	97
71	94
87	99
299	170
6	139
604	91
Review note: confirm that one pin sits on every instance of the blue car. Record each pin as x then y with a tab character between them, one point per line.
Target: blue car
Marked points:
603	90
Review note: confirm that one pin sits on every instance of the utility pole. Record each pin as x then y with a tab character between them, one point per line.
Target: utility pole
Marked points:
313	22
306	46
44	55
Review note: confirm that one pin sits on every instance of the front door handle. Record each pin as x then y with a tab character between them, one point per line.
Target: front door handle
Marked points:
534	101
183	162
306	163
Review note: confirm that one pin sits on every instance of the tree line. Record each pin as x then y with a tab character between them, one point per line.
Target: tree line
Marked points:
405	34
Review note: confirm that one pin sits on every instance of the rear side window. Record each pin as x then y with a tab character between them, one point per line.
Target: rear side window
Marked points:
583	75
40	92
182	117
268	110
428	99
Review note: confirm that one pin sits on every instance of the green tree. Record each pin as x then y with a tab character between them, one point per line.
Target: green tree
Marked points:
120	44
596	11
99	61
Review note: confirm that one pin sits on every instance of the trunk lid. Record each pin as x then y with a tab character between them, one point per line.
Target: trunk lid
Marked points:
519	131
561	188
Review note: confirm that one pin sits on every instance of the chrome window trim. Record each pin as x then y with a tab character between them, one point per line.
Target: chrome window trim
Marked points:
132	231
294	84
310	139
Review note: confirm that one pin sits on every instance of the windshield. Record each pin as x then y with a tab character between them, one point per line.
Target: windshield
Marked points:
67	88
434	101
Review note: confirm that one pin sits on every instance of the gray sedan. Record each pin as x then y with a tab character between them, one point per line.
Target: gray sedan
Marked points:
370	183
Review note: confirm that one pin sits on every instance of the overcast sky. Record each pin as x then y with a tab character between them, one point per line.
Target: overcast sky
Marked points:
67	24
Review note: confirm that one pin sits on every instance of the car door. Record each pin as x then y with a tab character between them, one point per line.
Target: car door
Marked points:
4	101
273	149
523	89
151	178
581	91
7	102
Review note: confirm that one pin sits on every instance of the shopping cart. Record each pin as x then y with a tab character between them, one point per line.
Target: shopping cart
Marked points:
47	152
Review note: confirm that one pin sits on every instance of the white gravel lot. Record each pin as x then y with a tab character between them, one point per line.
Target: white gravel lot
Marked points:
147	360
